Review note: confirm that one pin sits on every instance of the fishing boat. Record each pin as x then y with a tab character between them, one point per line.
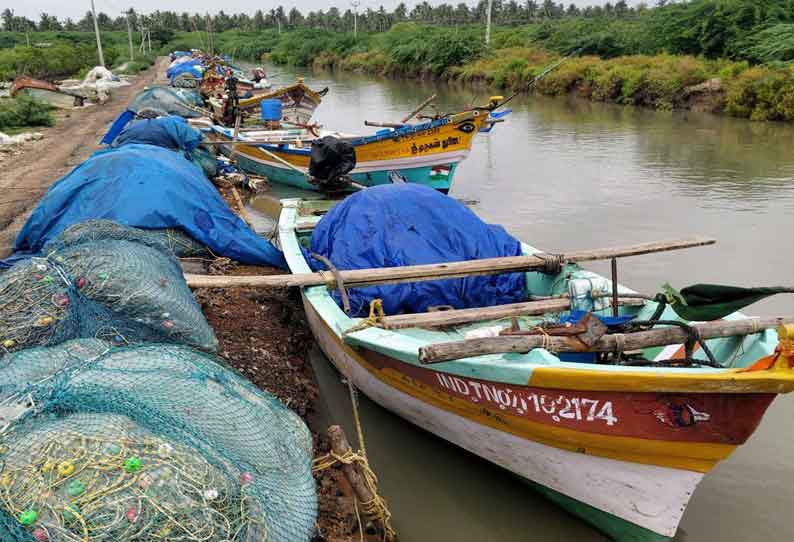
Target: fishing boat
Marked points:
46	91
426	153
298	101
621	440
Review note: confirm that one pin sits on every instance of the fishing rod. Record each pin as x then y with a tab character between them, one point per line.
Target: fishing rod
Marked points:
546	71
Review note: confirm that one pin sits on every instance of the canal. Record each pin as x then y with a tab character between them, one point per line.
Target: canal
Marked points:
566	174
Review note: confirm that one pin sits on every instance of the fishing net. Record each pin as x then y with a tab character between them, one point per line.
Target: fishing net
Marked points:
116	289
158	101
173	240
151	443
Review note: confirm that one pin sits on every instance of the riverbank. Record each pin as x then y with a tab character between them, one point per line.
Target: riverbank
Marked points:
661	82
261	334
28	170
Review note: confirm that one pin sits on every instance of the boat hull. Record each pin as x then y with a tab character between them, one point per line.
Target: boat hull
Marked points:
628	501
425	155
432	175
622	489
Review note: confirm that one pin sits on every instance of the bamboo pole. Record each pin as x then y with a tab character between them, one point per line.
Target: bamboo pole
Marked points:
463	316
419	108
419	273
659	336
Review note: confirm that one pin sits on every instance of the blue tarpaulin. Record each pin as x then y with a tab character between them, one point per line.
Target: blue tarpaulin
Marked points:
146	187
169	132
192	66
409	224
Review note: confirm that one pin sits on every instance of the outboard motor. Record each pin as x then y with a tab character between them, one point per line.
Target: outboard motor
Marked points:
331	161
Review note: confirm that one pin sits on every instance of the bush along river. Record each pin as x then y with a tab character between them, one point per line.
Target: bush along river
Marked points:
567	174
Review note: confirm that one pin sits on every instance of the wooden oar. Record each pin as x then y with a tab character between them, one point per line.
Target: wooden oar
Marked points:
660	336
418	273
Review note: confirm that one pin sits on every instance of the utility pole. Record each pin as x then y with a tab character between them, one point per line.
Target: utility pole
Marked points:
355	4
98	39
129	37
488	23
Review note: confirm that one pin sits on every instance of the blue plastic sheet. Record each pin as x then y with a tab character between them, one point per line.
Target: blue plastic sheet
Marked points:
192	66
169	132
146	187
398	225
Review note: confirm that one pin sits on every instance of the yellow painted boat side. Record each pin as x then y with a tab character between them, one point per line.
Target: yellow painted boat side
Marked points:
693	456
449	138
727	381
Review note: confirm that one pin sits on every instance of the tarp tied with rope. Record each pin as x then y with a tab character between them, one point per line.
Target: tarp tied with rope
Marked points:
704	302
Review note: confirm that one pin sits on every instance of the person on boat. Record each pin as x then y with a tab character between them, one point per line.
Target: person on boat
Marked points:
258	74
230	106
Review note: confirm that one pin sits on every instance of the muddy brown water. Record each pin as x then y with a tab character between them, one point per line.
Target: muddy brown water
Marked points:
566	174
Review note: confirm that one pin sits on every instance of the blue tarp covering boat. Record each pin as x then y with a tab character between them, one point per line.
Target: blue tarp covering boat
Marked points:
409	224
149	187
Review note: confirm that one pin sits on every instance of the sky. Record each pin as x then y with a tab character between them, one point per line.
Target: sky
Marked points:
76	9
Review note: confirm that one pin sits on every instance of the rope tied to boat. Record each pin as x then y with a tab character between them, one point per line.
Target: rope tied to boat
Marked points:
376	316
334	280
552	263
377	507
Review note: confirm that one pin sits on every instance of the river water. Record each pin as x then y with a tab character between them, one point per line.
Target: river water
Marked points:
565	174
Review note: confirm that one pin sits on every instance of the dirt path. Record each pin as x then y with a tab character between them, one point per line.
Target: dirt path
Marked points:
25	176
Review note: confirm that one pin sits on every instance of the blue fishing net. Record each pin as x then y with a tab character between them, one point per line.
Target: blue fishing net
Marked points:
105	284
150	443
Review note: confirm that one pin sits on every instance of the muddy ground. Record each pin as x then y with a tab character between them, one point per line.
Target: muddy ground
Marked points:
27	170
261	333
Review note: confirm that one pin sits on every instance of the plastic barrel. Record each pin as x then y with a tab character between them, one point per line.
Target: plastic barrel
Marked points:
271	110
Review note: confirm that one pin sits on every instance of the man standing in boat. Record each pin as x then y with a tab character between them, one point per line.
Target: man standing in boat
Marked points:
232	99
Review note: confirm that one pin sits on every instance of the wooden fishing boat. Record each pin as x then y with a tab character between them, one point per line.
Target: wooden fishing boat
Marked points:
623	447
46	91
426	153
298	101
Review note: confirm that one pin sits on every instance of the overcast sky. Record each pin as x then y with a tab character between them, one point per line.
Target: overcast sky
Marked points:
76	9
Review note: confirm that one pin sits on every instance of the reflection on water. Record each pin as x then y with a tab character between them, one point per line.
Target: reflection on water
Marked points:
569	174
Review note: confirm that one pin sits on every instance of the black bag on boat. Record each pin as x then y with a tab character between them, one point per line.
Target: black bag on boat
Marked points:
331	158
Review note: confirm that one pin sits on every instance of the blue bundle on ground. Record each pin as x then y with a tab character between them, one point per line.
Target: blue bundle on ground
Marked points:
408	224
170	132
157	442
148	187
193	67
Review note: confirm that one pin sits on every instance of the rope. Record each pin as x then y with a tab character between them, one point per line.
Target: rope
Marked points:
376	315
376	507
552	263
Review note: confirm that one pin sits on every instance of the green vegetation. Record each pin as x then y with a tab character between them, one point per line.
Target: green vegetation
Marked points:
24	111
732	56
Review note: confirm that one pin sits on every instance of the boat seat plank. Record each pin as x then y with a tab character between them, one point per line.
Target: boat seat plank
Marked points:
479	314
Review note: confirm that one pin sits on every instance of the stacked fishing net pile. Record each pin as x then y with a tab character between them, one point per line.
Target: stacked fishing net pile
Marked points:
172	240
149	443
103	280
158	101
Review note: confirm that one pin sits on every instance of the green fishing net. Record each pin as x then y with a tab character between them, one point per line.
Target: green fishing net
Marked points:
172	240
149	443
119	284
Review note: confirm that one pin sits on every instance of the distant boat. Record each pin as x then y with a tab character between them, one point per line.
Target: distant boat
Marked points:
46	91
622	446
427	153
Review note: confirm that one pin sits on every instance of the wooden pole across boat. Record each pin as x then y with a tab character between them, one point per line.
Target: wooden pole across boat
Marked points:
418	273
659	336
